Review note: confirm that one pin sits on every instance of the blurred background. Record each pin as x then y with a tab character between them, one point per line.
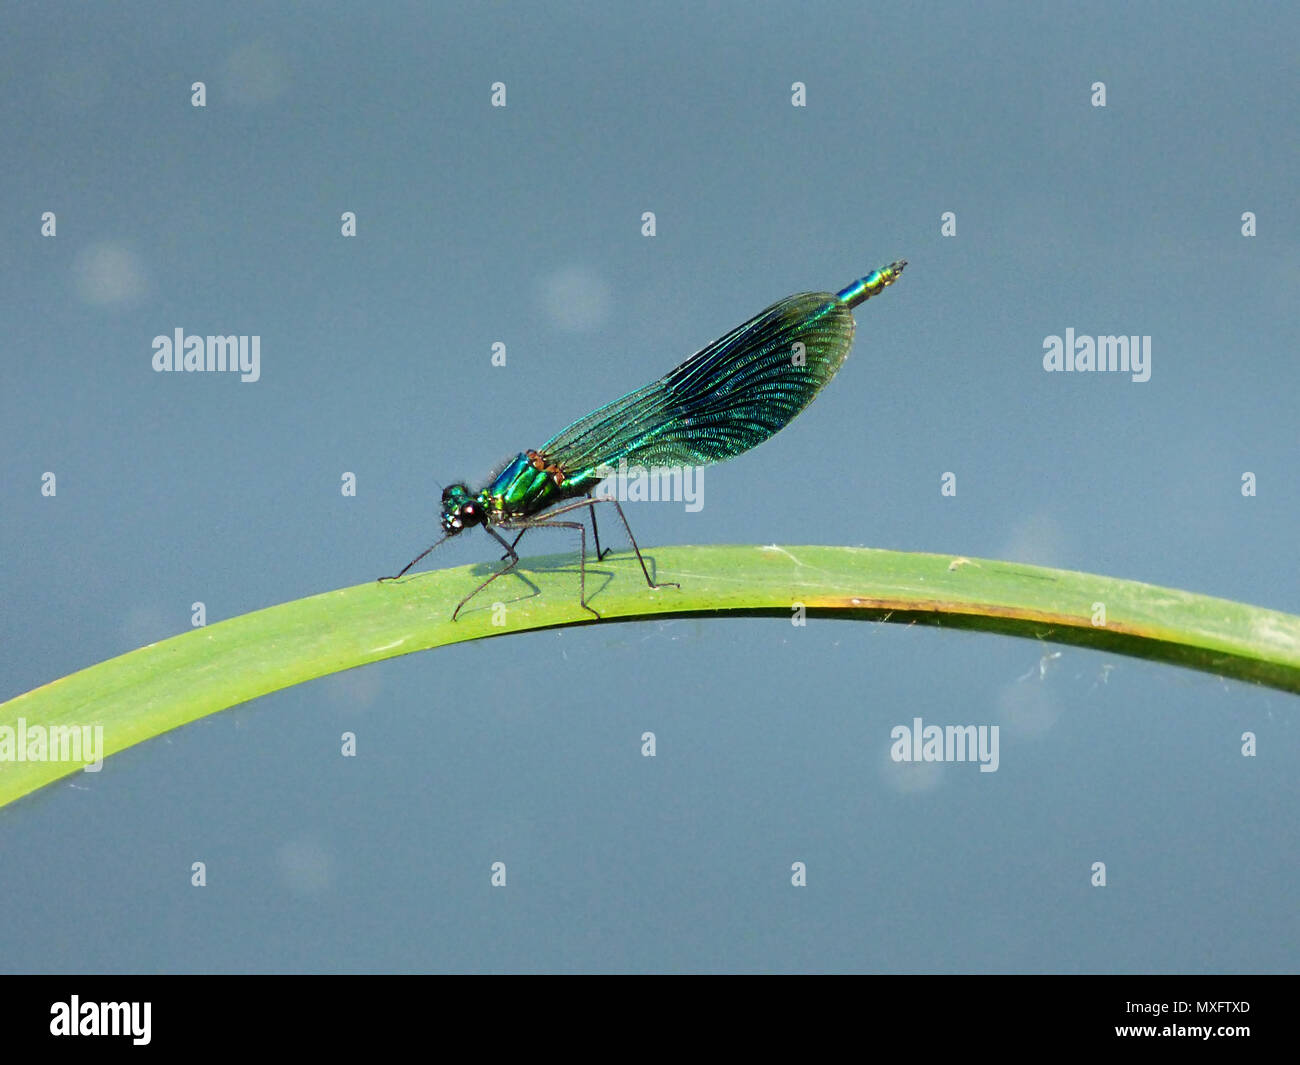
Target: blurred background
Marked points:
523	225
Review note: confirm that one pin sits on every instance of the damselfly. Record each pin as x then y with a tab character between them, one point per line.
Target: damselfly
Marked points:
719	403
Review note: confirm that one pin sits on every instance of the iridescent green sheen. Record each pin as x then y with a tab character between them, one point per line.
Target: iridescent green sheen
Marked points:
866	287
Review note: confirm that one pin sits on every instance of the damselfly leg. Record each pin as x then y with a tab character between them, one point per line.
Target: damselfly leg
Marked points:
547	521
594	530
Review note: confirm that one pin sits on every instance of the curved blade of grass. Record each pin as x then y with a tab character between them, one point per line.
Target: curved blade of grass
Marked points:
159	687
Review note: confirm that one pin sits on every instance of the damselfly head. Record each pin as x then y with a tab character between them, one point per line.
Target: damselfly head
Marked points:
460	510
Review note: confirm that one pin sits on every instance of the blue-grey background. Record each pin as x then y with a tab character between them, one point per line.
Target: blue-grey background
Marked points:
523	225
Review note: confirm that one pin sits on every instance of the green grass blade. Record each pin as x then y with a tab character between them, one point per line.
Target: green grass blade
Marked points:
147	692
